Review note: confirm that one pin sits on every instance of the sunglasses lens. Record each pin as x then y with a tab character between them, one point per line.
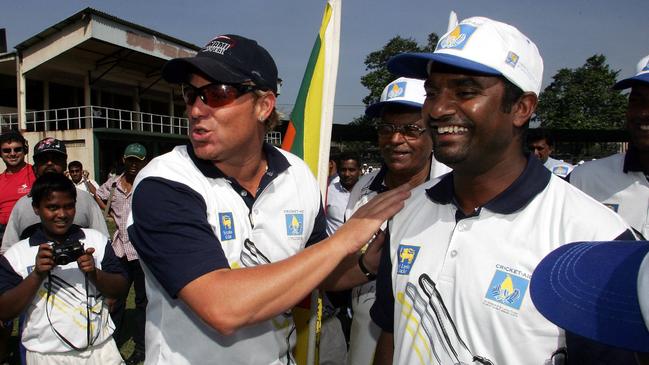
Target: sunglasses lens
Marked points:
14	150
214	95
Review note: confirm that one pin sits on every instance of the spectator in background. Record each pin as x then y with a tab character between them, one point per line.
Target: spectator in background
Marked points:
18	177
541	143
15	182
80	178
620	181
334	153
406	147
116	194
50	155
349	170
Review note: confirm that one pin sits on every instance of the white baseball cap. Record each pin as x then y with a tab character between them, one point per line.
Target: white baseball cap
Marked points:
404	91
482	45
642	75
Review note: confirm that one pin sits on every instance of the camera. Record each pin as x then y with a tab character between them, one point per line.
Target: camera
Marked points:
67	252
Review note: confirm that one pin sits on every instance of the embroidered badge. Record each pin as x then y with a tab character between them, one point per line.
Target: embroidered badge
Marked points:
512	59
407	256
507	288
396	90
457	38
294	224
227	226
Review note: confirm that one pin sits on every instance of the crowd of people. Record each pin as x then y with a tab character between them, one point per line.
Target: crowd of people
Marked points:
470	245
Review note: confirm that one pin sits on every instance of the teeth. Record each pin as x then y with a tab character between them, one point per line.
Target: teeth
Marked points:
451	129
644	127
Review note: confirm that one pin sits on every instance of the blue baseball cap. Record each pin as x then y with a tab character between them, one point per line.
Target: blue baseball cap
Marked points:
598	290
642	75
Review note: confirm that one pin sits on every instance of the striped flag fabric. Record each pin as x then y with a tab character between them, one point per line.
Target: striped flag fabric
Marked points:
309	136
309	131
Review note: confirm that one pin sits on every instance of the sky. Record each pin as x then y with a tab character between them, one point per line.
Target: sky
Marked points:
567	32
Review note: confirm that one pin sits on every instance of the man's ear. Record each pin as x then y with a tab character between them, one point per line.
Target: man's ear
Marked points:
264	106
524	108
35	210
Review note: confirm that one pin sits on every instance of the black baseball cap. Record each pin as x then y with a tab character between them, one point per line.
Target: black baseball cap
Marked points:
230	59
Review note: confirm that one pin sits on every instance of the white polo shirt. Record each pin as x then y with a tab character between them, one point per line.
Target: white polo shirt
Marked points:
618	182
364	333
461	282
66	312
189	219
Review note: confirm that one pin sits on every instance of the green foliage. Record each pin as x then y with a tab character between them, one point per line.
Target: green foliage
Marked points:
375	63
583	98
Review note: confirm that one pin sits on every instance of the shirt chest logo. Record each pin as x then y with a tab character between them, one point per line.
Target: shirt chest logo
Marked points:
226	223
294	223
406	256
507	288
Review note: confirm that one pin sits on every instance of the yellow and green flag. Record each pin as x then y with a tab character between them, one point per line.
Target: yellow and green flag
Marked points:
309	136
309	130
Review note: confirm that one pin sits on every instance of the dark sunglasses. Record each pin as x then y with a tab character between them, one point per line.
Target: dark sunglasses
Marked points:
214	95
409	131
14	150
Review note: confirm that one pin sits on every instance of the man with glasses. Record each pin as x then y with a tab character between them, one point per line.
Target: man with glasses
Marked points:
18	177
221	224
15	182
50	155
406	146
452	286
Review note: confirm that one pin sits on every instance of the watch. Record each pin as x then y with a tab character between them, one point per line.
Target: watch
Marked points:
370	276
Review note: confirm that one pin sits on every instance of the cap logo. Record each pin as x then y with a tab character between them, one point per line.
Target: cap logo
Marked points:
396	90
219	45
457	38
512	59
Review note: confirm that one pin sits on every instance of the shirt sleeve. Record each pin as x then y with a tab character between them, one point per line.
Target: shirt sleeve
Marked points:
382	312
104	190
12	231
171	234
8	277
96	221
319	232
111	263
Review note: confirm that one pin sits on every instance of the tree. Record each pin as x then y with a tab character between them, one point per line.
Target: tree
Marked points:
378	75
583	98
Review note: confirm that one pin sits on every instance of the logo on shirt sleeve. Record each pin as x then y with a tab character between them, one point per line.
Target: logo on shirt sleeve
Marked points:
406	256
294	223
226	222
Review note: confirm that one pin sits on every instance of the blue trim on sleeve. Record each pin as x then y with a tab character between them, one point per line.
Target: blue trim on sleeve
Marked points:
111	263
9	278
382	312
319	232
171	234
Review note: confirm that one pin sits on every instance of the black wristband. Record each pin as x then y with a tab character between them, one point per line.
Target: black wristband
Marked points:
364	269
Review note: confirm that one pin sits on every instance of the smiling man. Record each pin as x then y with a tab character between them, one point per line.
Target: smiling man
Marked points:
620	181
452	287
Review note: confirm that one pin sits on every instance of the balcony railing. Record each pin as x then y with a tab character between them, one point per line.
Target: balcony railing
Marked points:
83	117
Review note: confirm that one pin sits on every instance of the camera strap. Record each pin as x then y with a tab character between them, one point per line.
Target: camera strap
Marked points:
89	339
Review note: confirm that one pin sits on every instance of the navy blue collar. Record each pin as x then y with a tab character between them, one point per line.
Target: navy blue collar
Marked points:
632	161
74	234
277	163
533	180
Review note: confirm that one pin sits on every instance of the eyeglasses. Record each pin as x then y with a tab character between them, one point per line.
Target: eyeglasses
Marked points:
214	95
409	131
14	150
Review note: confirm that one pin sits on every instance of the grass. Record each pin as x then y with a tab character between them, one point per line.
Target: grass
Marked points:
126	348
